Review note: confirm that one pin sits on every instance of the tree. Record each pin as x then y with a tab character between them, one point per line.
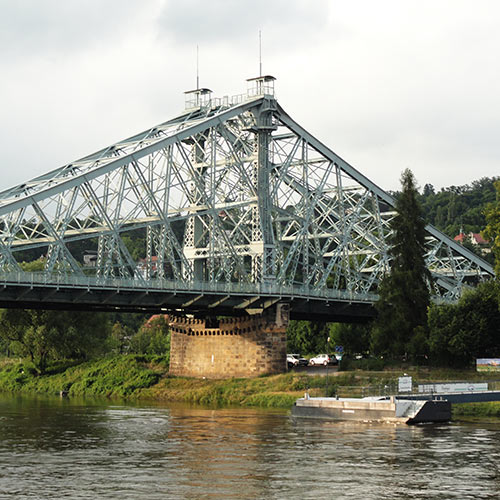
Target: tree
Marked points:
459	333
33	266
306	337
353	337
47	335
119	340
404	293
492	230
455	207
153	337
429	190
440	217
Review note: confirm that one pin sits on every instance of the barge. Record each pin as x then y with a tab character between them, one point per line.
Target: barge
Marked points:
378	409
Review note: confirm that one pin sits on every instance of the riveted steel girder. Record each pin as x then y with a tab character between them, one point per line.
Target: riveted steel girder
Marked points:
231	192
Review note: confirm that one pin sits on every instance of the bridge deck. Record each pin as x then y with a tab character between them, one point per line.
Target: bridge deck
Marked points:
33	290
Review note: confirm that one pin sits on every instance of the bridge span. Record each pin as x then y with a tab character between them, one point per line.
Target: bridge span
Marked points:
226	209
34	290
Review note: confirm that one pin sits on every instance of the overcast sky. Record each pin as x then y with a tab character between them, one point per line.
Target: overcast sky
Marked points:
386	84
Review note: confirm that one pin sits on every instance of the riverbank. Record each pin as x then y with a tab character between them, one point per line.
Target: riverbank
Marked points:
142	377
476	410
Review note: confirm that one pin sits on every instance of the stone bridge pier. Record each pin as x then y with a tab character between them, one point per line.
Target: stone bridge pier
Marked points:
229	347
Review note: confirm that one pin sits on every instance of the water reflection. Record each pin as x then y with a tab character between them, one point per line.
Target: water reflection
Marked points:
91	449
227	446
49	424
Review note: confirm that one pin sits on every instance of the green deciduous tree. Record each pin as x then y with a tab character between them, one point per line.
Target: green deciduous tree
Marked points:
459	333
404	294
354	338
46	335
152	338
33	266
307	337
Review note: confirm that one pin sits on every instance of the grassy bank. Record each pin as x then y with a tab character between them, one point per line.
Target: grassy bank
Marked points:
121	376
134	376
475	410
142	377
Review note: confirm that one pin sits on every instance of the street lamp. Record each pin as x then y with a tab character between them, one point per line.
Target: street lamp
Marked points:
327	363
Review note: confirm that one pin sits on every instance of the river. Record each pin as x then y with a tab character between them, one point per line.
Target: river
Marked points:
66	448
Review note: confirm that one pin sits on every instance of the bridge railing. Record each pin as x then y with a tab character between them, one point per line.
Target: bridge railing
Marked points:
160	285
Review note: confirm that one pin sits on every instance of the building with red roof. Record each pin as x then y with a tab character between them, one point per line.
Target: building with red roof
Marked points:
474	238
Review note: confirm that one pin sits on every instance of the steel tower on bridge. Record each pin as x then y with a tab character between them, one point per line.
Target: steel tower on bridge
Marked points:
228	208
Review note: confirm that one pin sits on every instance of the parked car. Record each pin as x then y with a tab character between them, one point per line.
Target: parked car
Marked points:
334	360
302	361
291	361
295	360
322	359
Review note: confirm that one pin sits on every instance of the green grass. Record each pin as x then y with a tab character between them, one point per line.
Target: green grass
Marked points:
112	377
276	391
483	410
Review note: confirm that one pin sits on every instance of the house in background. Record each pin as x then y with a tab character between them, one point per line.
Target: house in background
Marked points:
475	239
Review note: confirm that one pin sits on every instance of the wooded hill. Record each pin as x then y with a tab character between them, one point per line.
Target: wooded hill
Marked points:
456	207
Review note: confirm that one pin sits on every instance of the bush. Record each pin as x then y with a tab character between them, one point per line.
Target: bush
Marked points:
366	364
152	338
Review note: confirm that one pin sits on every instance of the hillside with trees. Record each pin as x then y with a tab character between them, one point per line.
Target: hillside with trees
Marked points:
456	207
460	209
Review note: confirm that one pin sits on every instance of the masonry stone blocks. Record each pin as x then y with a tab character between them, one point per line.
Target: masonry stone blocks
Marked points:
229	347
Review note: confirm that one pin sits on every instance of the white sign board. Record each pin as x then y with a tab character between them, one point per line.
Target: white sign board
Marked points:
453	387
404	384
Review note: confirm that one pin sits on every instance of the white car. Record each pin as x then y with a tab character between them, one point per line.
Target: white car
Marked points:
320	359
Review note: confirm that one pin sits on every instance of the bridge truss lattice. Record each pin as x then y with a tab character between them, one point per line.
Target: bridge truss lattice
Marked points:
230	197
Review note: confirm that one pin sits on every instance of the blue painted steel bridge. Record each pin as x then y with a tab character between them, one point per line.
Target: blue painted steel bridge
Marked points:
228	208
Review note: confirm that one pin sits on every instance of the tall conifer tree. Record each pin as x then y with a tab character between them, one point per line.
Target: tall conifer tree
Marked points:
404	294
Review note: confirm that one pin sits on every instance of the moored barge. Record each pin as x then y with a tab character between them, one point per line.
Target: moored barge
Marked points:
381	409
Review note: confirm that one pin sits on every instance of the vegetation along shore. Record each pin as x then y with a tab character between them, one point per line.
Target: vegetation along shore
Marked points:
145	377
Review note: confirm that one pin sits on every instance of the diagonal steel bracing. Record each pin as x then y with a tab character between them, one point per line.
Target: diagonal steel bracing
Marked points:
232	193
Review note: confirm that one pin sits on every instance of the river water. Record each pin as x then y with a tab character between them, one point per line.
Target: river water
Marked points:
65	448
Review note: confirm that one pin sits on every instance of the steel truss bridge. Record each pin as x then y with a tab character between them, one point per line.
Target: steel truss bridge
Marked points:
228	208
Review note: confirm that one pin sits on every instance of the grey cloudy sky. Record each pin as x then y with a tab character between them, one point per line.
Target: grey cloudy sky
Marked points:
386	84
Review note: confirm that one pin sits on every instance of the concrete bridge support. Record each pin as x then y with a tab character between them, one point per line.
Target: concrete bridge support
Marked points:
229	347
